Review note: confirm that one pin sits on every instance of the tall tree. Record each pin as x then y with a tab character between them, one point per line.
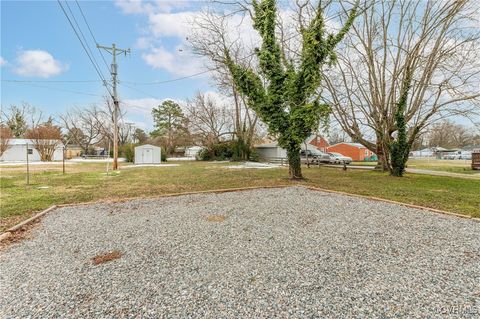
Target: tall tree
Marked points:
170	123
15	119
20	118
140	136
450	135
209	38
440	42
283	93
84	127
208	121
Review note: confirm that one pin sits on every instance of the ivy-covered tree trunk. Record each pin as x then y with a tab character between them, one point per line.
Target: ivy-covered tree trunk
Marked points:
294	164
400	148
284	93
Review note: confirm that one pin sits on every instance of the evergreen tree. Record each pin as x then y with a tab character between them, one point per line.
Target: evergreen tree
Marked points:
170	123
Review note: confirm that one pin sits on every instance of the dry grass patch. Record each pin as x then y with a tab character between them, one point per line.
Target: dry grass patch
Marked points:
103	258
216	218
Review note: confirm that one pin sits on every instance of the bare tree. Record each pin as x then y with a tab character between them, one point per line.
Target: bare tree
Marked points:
105	118
84	126
5	136
439	40
207	120
210	37
45	138
449	135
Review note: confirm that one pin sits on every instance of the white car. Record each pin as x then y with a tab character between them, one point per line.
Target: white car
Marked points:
337	158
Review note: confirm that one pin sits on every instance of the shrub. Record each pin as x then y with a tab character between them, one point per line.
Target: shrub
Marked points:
231	150
163	155
128	151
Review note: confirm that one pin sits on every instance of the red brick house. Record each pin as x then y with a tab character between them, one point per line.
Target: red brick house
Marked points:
356	151
319	142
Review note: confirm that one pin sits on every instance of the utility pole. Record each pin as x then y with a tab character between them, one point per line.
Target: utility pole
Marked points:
114	51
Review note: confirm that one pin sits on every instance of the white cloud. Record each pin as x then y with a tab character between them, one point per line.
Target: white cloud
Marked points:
2	61
171	24
139	6
179	61
133	6
38	63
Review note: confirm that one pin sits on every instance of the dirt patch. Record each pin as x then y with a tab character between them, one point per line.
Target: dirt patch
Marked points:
103	258
216	218
20	234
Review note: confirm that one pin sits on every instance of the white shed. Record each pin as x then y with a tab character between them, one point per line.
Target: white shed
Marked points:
17	151
148	154
271	151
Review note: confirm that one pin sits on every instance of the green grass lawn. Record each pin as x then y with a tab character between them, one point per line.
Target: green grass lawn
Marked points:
454	166
88	182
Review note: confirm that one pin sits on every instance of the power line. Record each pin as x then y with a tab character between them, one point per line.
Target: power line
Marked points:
91	33
135	89
51	81
183	77
32	83
84	39
84	48
168	81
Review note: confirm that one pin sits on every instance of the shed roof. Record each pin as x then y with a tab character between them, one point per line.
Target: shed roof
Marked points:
268	145
24	141
146	145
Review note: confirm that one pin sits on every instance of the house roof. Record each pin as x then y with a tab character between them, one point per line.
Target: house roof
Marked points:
146	145
471	147
358	145
24	141
268	145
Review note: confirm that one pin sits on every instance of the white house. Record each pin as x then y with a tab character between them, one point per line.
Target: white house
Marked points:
148	154
426	152
17	151
193	151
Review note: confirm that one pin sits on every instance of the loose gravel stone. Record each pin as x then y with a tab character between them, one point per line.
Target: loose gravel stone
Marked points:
286	253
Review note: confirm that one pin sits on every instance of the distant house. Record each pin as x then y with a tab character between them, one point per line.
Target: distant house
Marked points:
193	151
319	142
356	151
17	151
426	152
72	151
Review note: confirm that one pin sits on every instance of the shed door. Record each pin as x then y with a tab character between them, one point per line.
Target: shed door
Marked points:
147	155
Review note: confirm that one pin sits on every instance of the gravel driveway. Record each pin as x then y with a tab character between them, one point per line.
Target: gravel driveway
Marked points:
286	253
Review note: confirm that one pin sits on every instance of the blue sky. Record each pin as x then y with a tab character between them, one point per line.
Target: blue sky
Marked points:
38	44
39	47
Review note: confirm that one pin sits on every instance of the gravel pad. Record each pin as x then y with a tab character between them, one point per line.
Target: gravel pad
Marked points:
264	253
